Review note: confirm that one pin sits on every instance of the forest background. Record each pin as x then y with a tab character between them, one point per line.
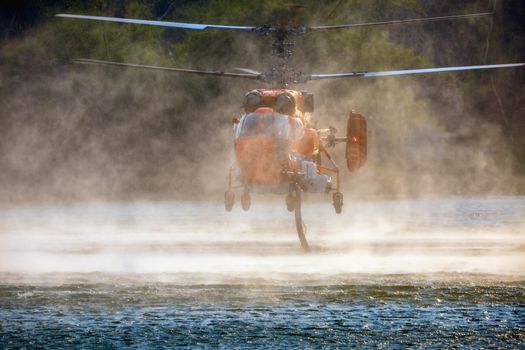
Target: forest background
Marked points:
72	132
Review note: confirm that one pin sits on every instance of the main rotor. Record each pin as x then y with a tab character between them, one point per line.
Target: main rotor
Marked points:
281	73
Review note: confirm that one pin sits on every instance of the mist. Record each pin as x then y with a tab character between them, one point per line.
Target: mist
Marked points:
72	132
194	242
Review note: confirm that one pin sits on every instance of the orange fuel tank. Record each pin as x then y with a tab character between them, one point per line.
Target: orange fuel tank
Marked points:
308	145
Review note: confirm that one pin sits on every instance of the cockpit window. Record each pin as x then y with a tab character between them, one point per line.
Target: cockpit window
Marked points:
276	125
249	125
268	124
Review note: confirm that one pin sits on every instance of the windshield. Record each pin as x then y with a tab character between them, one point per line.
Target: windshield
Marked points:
249	125
267	124
276	125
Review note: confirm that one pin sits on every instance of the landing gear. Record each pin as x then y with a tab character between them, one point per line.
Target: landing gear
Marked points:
338	202
229	199
299	225
246	201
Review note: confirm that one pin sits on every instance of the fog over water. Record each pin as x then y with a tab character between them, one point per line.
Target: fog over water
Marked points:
481	236
430	273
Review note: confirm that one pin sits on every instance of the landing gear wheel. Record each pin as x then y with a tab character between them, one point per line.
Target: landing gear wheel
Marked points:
229	199
299	225
338	202
246	201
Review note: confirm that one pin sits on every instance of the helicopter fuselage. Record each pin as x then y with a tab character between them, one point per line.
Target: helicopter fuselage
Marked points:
273	140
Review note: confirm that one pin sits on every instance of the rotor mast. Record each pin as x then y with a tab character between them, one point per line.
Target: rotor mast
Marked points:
281	72
282	50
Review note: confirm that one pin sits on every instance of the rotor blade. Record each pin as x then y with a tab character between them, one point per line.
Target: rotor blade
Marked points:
247	70
402	21
157	23
179	70
334	75
409	71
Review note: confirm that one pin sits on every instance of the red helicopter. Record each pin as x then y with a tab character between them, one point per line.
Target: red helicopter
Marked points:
278	150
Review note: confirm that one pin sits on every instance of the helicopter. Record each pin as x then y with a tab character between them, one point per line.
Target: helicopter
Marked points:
278	149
